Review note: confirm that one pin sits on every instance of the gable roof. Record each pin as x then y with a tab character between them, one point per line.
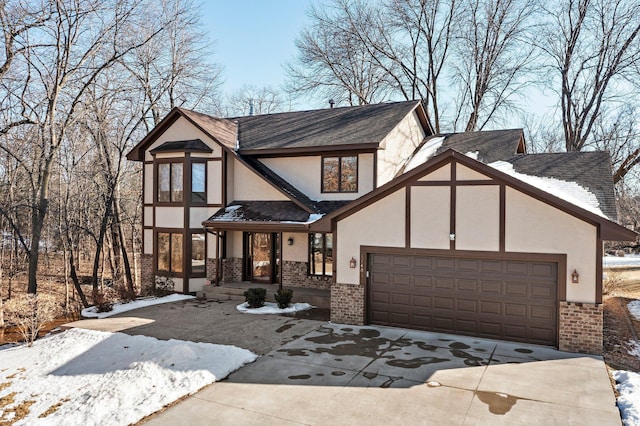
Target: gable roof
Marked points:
491	145
609	230
330	129
591	170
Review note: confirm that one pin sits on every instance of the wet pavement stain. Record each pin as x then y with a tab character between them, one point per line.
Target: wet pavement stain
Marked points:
459	345
387	384
416	362
285	327
470	360
523	350
498	403
347	329
300	377
370	376
426	347
319	374
365	342
338	373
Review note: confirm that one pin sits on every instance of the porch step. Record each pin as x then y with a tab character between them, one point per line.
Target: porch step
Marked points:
235	291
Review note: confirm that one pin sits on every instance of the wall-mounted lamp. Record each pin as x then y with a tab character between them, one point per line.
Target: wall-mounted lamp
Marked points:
290	241
452	237
575	277
353	263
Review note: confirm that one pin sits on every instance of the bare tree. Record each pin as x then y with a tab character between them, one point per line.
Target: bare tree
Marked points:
492	58
592	45
253	100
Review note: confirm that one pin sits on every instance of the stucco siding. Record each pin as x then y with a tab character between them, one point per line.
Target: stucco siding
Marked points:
148	241
397	146
305	174
465	173
380	224
533	226
148	216
298	252
170	217
234	241
478	217
199	214
248	186
441	174
148	183
430	207
183	130
214	182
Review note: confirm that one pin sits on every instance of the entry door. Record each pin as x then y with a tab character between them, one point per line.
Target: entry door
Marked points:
262	257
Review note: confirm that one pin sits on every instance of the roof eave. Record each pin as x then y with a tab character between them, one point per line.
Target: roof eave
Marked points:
255	226
309	150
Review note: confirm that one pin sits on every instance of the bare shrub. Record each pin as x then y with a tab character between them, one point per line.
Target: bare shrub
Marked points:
125	295
103	300
29	312
163	286
612	282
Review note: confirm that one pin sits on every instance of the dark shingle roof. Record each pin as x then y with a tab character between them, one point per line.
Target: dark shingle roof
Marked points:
194	145
591	170
334	127
260	211
491	145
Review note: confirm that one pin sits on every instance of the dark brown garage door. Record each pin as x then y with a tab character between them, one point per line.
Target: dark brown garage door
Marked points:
495	298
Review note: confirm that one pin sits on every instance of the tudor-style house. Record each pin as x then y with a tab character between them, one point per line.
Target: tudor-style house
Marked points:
463	233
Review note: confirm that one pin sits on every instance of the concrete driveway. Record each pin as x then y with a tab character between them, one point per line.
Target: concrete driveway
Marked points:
316	373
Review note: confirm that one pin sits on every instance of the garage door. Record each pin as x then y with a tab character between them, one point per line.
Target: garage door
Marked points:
495	298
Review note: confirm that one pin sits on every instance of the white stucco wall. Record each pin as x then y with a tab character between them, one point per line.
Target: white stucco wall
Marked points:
533	226
148	216
247	186
478	217
182	130
196	284
212	248
214	182
199	214
234	241
397	146
305	174
430	207
440	174
148	241
148	183
380	224
465	173
298	252
169	217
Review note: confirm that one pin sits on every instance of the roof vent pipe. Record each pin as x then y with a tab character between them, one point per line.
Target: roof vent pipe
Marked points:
251	107
331	103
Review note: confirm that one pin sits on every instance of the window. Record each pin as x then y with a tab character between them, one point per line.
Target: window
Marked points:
320	254
198	183
340	174
197	253
170	182
169	252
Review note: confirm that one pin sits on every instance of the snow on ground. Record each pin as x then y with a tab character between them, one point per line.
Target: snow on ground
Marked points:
627	260
272	308
628	387
99	378
140	303
634	308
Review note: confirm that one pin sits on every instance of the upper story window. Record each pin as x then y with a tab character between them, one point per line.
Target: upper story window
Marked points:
170	183
340	174
198	176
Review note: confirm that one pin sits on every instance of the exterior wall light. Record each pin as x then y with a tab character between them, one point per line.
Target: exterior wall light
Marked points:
290	241
452	237
575	277
353	263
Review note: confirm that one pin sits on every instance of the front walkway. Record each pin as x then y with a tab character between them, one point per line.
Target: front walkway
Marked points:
341	374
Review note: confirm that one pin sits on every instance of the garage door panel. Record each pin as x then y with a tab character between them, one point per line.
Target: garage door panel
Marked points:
497	298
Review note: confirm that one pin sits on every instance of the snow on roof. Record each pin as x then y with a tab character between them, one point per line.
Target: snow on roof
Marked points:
425	153
568	191
312	218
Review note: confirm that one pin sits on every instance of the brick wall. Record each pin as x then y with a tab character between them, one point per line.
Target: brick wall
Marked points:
347	304
581	327
211	267
294	274
147	278
231	270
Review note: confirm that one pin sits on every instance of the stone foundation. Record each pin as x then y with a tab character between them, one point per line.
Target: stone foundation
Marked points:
231	270
147	277
347	304
295	274
581	327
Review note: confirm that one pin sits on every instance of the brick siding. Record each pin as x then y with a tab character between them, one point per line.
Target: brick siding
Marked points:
147	277
211	267
347	304
295	274
231	270
581	327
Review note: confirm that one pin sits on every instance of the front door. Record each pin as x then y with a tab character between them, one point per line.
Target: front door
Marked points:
261	257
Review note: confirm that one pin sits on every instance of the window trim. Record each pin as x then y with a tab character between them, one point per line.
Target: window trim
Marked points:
192	274
156	186
191	162
324	272
170	272
340	190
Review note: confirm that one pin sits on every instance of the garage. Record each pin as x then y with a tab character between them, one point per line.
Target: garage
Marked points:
507	298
